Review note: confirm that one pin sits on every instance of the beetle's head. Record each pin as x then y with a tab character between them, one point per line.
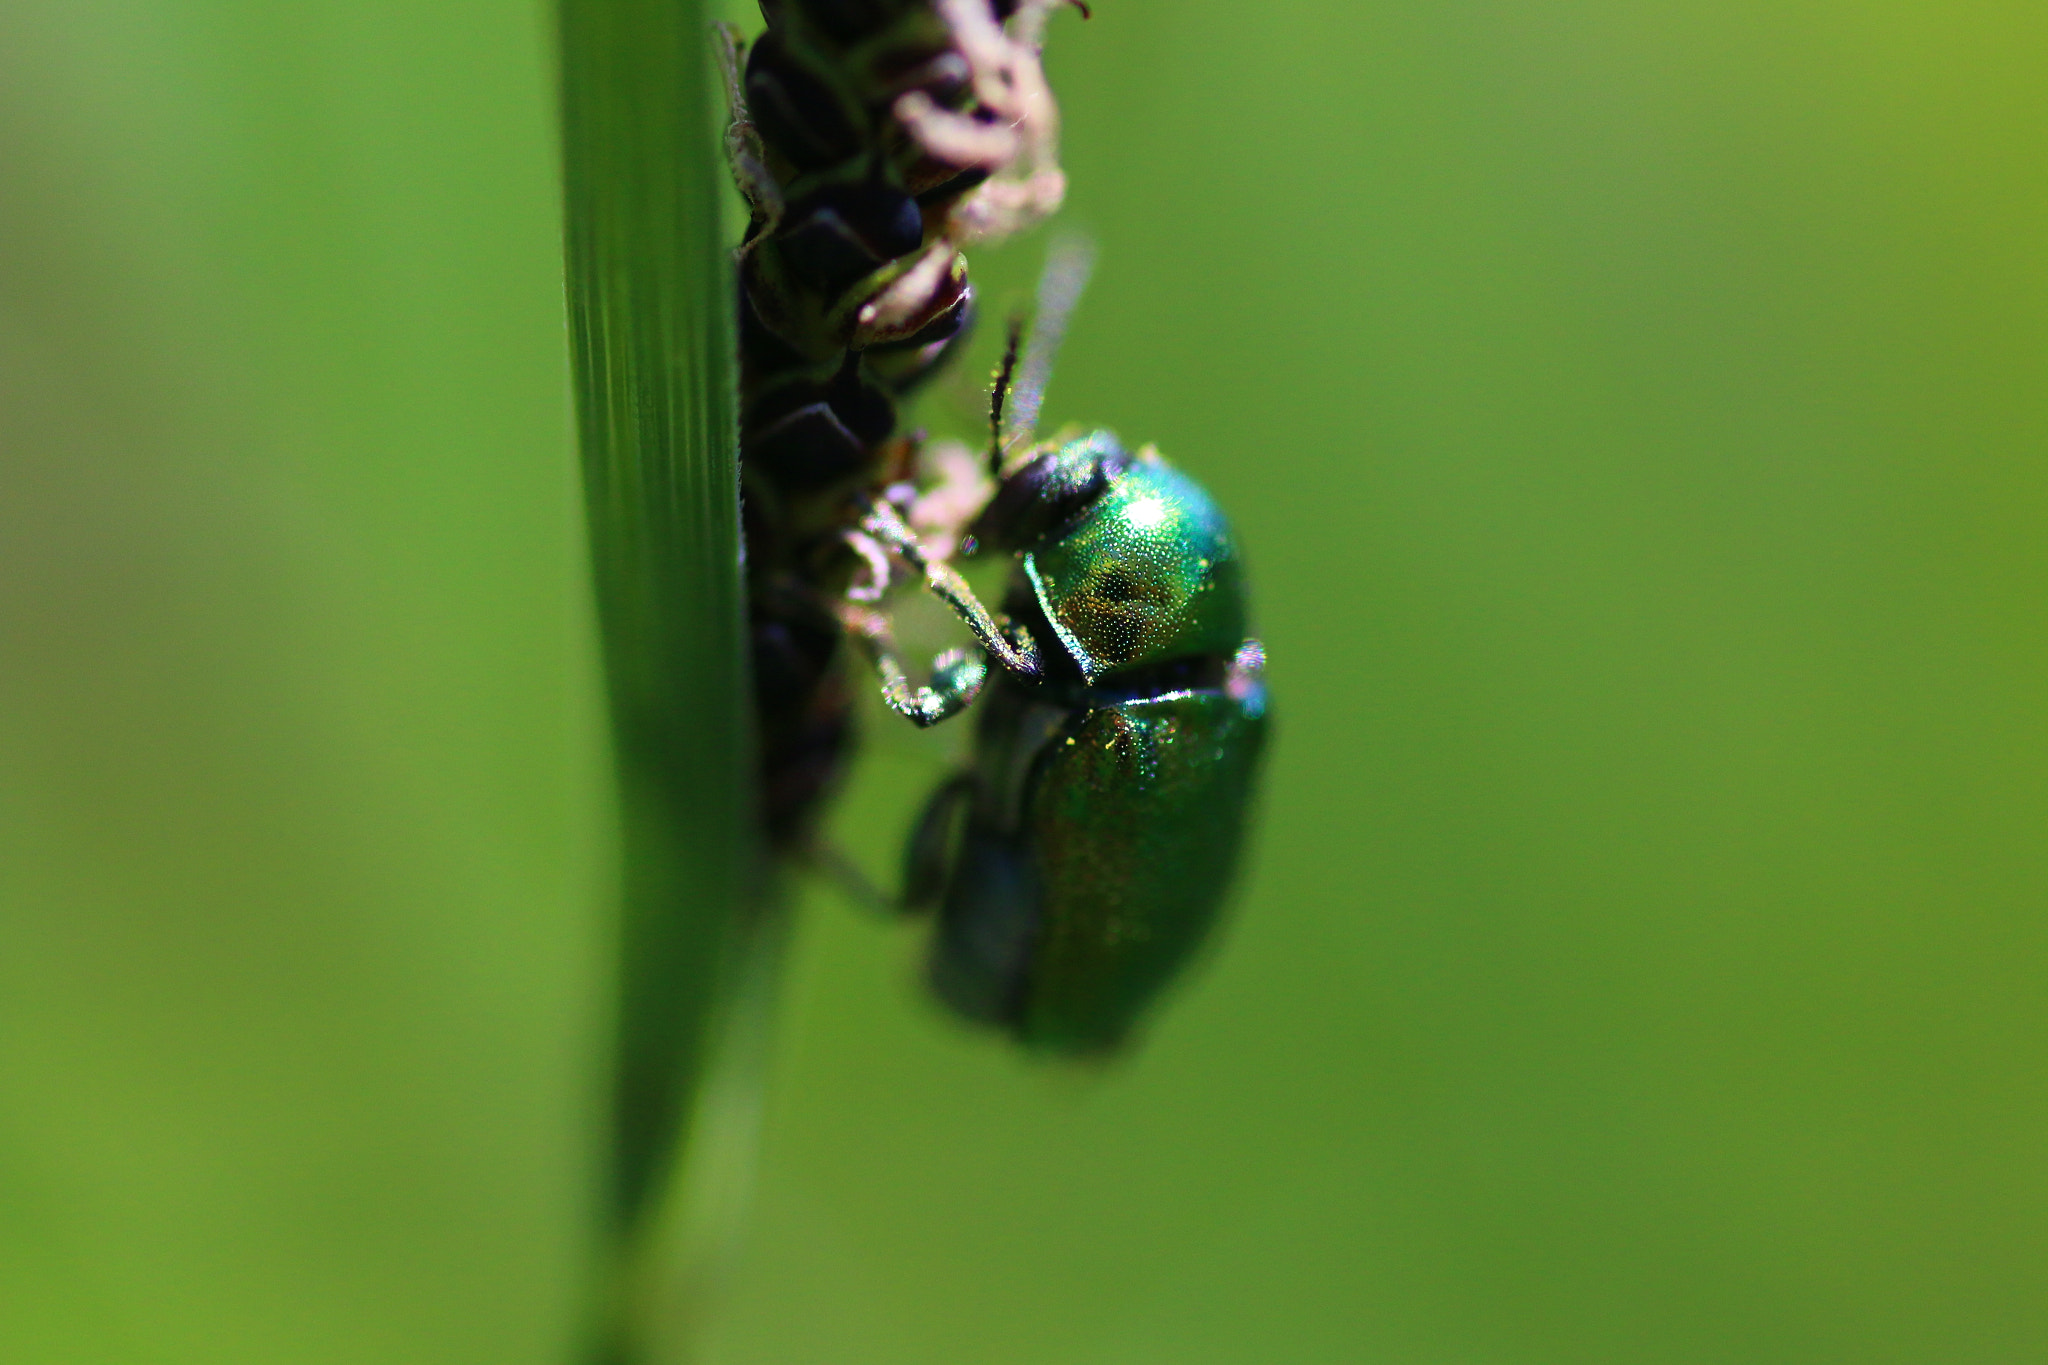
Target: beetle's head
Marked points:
1052	491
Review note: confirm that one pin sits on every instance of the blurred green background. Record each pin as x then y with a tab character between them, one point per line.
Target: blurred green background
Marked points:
1635	416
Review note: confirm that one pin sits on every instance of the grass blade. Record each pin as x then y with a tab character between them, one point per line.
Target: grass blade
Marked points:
649	291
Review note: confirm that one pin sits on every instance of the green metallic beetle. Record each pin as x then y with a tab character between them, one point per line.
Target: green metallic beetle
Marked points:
1083	855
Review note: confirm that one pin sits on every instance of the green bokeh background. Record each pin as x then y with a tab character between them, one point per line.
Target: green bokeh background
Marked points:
1635	416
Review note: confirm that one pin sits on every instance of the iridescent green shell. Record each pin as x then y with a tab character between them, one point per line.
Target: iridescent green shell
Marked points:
1134	822
1149	574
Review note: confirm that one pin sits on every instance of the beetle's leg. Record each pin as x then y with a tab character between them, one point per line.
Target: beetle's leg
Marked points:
833	864
957	675
929	854
876	561
1010	643
743	150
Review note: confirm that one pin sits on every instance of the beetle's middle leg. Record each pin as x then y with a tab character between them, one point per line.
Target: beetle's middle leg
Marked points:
929	855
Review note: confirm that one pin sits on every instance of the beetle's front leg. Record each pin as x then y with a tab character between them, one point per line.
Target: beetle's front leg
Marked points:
957	675
1010	643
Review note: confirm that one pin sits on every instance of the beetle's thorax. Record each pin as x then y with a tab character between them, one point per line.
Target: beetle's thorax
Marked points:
1133	565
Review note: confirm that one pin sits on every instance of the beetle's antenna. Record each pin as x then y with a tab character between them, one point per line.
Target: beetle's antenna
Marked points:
1000	394
1067	266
